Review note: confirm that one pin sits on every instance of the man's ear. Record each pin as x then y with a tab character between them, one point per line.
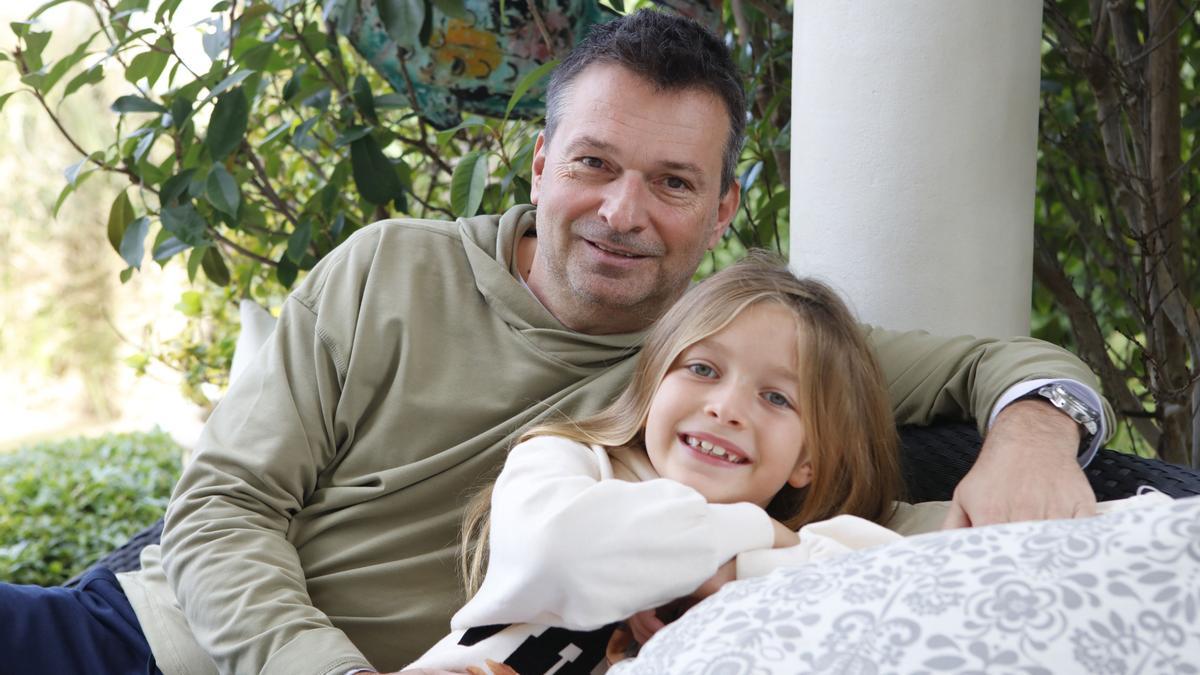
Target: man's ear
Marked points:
539	165
726	209
802	474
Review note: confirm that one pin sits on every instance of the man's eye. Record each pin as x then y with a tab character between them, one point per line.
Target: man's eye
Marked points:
777	399
676	183
591	162
702	370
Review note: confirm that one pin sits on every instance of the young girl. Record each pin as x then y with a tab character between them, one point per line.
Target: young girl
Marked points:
756	408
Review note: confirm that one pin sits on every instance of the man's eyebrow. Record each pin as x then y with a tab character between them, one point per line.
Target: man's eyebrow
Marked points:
589	143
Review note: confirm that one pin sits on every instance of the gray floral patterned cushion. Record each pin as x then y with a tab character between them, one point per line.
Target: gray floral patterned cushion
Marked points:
1118	593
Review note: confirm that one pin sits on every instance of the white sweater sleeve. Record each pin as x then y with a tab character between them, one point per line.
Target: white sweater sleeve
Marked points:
571	549
821	540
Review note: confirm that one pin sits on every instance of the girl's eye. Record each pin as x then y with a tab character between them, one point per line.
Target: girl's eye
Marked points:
702	370
777	399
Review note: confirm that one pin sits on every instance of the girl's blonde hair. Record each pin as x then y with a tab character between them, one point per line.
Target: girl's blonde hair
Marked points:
850	436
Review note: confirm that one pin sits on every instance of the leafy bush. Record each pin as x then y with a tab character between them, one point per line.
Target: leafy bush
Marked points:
66	503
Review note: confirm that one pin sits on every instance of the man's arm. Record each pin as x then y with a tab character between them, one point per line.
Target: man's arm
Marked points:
225	549
1027	467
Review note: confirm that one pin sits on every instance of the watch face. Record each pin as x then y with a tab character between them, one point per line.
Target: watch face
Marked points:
1072	406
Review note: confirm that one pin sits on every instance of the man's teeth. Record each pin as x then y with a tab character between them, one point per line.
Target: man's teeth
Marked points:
714	450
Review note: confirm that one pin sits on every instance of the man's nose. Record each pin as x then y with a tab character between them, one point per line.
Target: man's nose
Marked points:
624	205
726	404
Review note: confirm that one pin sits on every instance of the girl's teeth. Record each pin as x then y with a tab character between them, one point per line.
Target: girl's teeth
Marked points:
709	449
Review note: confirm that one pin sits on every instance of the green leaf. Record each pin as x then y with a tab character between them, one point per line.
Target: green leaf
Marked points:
468	183
391	101
226	83
130	104
298	243
373	173
144	144
63	194
222	191
186	224
214	266
294	83
4	98
447	134
526	82
35	43
147	65
133	242
72	172
166	10
195	258
364	100
778	201
175	189
120	214
302	137
402	19
36	80
227	126
350	135
191	303
168	247
53	3
277	132
92	75
181	111
286	272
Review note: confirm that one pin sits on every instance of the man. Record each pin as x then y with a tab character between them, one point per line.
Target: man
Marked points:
316	529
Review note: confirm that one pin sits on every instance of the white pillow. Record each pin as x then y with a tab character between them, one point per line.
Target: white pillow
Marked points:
1111	594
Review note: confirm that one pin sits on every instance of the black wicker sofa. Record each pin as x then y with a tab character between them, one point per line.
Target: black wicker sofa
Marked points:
935	458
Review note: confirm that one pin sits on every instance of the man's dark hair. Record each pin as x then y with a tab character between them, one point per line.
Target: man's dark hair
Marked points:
673	53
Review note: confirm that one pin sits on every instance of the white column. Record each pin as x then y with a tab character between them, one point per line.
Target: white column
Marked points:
914	140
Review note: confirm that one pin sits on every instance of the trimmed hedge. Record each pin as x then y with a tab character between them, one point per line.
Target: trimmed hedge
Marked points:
64	504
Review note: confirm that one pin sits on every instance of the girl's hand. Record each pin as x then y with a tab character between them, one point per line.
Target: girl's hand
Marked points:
725	574
784	535
644	625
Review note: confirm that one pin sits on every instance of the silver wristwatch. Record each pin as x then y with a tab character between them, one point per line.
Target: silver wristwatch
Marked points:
1074	407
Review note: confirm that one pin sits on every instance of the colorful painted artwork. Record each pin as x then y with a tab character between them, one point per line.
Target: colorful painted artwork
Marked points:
473	61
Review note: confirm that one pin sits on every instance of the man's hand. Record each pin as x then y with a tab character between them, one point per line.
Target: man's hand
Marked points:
1027	470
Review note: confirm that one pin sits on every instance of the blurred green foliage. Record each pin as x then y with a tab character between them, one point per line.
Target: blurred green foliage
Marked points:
67	503
1117	250
251	165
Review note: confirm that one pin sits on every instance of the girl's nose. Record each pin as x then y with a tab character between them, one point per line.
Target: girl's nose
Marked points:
725	406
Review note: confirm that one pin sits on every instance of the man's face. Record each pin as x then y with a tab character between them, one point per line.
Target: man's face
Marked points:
629	199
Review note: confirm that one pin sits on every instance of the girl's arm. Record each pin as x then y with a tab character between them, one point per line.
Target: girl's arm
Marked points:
571	549
821	540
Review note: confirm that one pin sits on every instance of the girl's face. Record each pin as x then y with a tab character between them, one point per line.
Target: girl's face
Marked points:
725	420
